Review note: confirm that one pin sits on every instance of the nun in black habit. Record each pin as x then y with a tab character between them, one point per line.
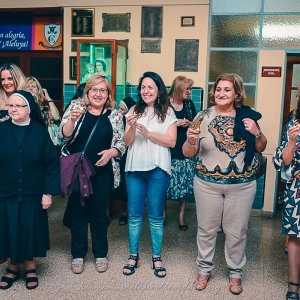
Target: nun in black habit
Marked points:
29	172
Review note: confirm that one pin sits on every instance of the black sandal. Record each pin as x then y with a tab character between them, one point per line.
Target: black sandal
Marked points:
9	280
31	279
158	269
292	295
130	267
123	220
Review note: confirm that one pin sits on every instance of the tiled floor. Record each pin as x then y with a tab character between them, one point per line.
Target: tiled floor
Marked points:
266	272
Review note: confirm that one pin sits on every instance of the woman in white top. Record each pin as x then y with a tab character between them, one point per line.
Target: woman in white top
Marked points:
150	131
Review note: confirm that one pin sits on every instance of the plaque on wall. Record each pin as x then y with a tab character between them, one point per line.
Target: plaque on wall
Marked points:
116	22
186	55
72	67
187	21
83	21
150	46
152	22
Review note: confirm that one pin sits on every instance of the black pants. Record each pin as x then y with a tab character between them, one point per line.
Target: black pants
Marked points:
94	212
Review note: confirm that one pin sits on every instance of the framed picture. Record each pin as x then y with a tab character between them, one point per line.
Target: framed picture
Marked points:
186	55
72	66
152	21
83	21
188	21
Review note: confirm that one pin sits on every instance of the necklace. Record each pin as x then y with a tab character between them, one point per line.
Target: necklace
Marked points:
175	107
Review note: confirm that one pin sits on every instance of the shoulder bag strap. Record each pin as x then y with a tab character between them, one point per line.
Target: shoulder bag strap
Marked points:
89	139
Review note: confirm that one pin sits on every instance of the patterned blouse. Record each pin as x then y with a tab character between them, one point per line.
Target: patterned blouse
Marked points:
220	158
116	120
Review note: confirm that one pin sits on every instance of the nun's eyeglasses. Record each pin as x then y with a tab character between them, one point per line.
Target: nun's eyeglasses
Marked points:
16	106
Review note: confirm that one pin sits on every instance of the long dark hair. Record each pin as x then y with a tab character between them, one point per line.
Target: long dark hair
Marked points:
161	103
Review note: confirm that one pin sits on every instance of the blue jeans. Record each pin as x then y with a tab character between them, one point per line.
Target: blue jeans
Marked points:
152	185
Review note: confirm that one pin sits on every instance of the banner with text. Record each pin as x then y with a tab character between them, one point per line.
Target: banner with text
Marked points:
27	33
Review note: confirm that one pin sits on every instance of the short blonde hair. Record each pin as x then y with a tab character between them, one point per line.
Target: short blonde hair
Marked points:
238	86
40	95
17	76
95	80
178	86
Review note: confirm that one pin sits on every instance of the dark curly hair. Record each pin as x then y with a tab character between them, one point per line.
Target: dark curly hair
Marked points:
238	86
161	103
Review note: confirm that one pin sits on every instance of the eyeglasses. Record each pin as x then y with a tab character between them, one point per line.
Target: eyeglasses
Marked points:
101	91
16	106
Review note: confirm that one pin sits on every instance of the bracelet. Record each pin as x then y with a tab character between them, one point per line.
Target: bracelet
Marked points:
191	145
50	101
291	149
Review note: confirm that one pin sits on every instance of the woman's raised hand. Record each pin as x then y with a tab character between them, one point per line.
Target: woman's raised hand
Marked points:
75	114
192	135
131	121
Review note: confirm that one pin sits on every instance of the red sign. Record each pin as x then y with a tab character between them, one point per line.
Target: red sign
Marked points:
271	72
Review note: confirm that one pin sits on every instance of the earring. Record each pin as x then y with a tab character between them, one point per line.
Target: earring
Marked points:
158	100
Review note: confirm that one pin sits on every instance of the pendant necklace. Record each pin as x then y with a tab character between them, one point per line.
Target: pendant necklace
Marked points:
176	108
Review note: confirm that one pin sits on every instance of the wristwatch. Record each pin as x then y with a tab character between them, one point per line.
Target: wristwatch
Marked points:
258	135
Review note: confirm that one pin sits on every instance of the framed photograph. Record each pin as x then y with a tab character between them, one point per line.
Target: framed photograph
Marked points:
186	55
116	22
83	22
72	66
152	17
188	21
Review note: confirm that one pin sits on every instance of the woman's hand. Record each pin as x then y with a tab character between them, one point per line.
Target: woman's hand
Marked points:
183	122
46	201
293	133
106	156
192	135
75	114
131	121
251	126
46	95
142	129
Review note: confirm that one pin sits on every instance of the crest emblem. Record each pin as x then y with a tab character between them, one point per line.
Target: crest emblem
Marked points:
52	32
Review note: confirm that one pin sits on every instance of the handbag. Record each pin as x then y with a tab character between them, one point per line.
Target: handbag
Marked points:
76	172
262	165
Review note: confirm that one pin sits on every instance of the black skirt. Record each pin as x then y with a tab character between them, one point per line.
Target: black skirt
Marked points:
24	232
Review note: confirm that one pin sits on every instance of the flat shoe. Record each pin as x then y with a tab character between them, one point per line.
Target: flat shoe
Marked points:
200	285
101	265
235	289
183	227
74	266
123	220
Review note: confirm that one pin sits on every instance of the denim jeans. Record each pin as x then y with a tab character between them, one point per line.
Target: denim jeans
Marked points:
152	185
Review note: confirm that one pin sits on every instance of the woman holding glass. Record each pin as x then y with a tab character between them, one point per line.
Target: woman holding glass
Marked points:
150	131
105	145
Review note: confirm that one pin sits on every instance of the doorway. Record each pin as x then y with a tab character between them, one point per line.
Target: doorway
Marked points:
46	66
291	89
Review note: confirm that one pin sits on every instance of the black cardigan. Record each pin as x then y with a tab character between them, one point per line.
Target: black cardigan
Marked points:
30	169
241	133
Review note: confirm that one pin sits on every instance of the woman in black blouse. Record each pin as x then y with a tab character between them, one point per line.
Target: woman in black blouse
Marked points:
12	79
181	183
105	145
